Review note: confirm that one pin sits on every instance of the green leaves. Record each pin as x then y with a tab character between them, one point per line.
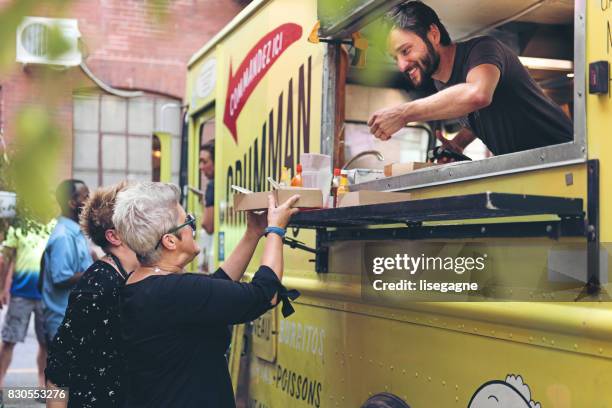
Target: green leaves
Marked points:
33	170
36	139
10	18
39	141
58	44
158	10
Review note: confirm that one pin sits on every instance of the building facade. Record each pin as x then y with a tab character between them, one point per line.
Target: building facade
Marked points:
128	45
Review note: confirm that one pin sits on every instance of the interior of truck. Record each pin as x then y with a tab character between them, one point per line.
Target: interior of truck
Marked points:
540	32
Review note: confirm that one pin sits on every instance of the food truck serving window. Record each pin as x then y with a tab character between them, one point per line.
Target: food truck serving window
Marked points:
548	37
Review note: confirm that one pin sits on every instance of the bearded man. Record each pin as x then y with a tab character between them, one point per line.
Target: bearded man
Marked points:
480	80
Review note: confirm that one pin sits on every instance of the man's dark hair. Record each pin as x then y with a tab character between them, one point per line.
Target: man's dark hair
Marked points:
66	191
210	148
417	17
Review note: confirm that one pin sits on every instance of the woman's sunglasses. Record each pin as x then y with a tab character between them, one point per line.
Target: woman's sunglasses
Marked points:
189	220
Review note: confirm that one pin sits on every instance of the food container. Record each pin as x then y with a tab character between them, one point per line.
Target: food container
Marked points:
309	198
366	197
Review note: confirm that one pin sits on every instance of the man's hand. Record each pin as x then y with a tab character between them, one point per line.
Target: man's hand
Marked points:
257	223
456	144
198	193
5	297
449	144
7	276
386	122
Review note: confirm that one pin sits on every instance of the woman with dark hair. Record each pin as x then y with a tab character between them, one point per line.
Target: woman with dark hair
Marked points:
85	355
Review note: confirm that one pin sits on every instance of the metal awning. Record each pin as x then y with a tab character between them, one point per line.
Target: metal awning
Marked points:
353	223
466	207
339	18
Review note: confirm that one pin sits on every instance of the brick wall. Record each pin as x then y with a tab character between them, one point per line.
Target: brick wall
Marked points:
129	48
127	44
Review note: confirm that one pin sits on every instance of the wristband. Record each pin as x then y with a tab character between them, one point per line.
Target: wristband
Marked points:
275	230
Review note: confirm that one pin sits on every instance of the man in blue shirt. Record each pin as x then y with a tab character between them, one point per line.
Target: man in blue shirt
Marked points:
66	256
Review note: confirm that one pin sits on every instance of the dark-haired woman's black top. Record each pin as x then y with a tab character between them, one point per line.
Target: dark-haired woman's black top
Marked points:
175	332
85	354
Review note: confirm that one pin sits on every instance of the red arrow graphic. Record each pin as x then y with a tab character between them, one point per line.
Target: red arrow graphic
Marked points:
253	68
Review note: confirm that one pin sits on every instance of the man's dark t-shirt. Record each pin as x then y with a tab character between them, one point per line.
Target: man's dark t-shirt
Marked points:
520	117
209	196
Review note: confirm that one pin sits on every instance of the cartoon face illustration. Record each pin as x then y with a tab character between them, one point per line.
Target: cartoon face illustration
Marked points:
511	393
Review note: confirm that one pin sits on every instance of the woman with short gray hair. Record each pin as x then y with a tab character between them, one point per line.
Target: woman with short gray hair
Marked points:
175	324
145	213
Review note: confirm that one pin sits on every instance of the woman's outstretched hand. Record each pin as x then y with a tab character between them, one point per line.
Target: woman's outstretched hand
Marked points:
279	216
257	221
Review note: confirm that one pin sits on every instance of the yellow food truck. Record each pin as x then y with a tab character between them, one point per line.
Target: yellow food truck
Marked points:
288	77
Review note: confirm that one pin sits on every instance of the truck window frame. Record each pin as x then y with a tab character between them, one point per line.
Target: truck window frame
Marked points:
544	157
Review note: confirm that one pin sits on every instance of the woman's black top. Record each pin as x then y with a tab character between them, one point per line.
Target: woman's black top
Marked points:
175	332
85	354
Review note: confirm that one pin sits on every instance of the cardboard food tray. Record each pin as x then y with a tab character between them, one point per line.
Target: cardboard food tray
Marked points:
395	169
309	198
365	197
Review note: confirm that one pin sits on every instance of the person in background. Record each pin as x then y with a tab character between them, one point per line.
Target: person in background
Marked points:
385	400
207	168
207	242
66	255
175	324
2	268
85	356
23	248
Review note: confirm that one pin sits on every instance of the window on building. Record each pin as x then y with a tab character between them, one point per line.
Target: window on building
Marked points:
113	137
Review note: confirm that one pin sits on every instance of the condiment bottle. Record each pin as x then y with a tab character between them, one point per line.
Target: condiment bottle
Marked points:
285	180
334	186
296	181
342	189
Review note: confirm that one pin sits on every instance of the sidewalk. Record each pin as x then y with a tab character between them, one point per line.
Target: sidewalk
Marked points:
22	371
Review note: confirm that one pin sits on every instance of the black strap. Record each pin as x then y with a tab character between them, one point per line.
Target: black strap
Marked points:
286	296
122	271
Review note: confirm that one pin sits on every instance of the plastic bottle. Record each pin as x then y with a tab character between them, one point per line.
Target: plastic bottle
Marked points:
342	188
334	187
296	181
